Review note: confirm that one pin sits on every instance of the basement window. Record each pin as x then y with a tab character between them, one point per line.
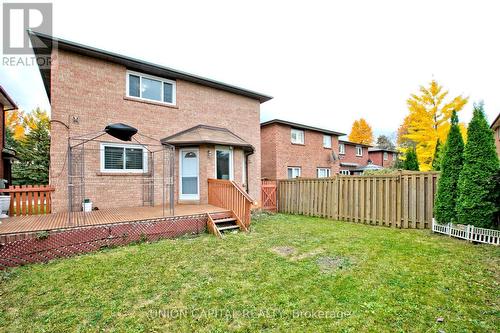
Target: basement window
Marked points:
150	88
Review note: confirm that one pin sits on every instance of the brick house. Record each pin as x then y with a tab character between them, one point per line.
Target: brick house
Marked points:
292	150
213	126
383	157
7	155
353	157
495	126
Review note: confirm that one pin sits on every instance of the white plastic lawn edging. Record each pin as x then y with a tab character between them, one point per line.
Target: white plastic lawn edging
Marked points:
468	232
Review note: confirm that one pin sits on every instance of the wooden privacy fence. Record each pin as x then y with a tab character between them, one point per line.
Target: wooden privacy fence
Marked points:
401	200
29	199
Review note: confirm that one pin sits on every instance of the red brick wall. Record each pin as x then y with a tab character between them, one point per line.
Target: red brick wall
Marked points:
94	91
377	157
278	153
350	157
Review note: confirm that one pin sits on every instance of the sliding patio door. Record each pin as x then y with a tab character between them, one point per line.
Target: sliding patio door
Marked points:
189	174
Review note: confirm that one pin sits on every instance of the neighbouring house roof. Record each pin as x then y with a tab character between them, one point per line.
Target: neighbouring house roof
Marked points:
7	102
353	143
204	134
375	149
369	166
347	164
496	122
301	126
50	42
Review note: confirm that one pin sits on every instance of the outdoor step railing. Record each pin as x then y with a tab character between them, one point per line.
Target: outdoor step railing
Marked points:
29	199
229	195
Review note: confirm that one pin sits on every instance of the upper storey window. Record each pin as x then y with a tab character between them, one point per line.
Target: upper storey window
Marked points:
297	136
150	88
327	141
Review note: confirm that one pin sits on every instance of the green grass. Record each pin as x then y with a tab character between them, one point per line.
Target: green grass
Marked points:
388	280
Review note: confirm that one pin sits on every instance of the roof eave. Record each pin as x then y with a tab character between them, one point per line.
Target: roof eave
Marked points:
300	126
144	66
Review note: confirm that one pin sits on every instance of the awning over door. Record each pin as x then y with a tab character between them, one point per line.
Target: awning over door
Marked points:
204	134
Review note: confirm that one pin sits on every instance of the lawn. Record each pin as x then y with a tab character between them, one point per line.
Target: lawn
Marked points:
290	274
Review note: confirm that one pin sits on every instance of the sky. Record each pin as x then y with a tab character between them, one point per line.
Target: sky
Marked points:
326	63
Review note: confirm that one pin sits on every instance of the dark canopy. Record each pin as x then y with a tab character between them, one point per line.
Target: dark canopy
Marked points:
121	131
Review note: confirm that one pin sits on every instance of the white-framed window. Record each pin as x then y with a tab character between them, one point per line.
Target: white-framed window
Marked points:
323	172
297	136
224	162
327	141
341	148
394	156
150	88
386	156
123	158
345	172
359	151
293	172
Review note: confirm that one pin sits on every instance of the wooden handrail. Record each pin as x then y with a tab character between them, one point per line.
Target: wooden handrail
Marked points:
228	194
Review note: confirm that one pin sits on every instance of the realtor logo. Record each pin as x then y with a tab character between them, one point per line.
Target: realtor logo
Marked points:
17	18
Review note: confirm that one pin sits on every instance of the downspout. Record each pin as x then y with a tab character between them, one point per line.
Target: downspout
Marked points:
246	169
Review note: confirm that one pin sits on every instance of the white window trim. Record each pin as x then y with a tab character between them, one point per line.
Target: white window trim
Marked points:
162	80
124	146
345	172
327	136
189	196
341	149
231	166
360	149
385	156
328	172
303	136
294	168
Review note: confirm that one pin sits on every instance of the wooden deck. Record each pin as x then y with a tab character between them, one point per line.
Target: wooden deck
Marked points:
35	223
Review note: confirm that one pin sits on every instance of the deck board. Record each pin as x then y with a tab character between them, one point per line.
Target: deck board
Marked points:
106	216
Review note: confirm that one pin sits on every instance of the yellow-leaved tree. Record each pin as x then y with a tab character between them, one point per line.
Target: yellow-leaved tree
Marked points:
428	121
361	132
14	120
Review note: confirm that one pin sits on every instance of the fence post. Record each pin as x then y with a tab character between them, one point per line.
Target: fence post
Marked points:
450	225
471	232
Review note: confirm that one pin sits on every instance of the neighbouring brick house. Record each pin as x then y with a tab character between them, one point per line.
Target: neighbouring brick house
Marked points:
7	155
353	157
383	157
214	127
292	150
495	126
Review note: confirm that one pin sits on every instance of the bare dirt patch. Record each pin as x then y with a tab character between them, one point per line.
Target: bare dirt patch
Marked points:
332	264
284	251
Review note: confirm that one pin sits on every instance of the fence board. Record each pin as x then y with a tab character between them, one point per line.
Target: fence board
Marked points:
403	200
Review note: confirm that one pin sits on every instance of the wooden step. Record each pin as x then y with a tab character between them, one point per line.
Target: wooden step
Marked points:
220	215
229	227
229	219
223	221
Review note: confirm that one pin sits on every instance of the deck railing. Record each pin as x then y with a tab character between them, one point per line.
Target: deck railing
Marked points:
229	195
29	199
